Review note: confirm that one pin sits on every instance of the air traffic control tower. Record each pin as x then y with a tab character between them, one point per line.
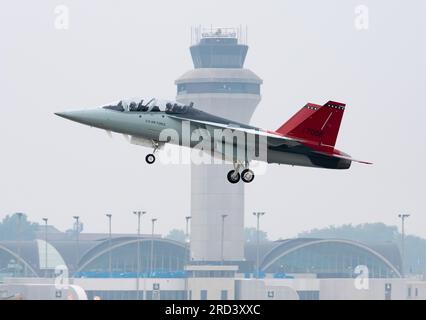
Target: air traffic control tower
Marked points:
218	84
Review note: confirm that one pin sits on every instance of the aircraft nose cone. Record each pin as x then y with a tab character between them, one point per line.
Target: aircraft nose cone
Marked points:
87	117
67	115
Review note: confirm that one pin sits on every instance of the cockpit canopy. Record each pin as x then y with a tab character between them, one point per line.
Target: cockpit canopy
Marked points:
149	105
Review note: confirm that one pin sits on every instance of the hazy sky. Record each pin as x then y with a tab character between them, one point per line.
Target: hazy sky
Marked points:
305	51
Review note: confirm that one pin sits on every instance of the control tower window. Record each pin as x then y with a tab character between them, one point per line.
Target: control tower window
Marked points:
219	87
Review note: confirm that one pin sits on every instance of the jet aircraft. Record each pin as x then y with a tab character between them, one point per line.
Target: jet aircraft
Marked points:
306	139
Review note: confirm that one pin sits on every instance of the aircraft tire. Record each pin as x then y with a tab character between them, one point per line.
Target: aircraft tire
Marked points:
247	175
150	158
231	179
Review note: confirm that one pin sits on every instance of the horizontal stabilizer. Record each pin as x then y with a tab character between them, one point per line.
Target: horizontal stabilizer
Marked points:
340	156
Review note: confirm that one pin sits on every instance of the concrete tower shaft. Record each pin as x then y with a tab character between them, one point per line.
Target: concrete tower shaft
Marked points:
219	85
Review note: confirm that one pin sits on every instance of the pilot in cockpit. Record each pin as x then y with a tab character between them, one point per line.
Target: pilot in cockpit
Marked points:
169	106
132	106
140	106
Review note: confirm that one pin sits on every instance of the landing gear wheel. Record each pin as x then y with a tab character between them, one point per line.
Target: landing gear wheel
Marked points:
233	176
247	175
150	158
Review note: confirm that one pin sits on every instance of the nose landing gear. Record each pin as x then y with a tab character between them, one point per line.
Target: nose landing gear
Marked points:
150	158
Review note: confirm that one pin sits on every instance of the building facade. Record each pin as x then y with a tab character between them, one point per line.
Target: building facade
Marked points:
298	268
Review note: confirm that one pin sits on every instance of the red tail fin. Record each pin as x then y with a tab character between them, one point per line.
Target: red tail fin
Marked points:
315	124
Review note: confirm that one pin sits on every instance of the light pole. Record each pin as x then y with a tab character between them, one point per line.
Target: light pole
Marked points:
187	218
152	247
187	254
77	229
19	236
138	263
45	245
222	237
258	215
403	217
109	216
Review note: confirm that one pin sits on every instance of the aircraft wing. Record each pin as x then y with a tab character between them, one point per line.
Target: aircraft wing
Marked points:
274	139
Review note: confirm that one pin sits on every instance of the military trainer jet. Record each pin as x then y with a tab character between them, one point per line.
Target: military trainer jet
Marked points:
306	139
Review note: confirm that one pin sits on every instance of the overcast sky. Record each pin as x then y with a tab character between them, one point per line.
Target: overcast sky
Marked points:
305	51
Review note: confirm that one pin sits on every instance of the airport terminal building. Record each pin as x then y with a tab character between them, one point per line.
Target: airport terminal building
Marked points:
302	268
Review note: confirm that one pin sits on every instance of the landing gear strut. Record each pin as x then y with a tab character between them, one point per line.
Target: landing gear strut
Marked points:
246	175
150	158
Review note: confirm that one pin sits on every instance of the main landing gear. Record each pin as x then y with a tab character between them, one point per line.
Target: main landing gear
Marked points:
150	158
246	175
